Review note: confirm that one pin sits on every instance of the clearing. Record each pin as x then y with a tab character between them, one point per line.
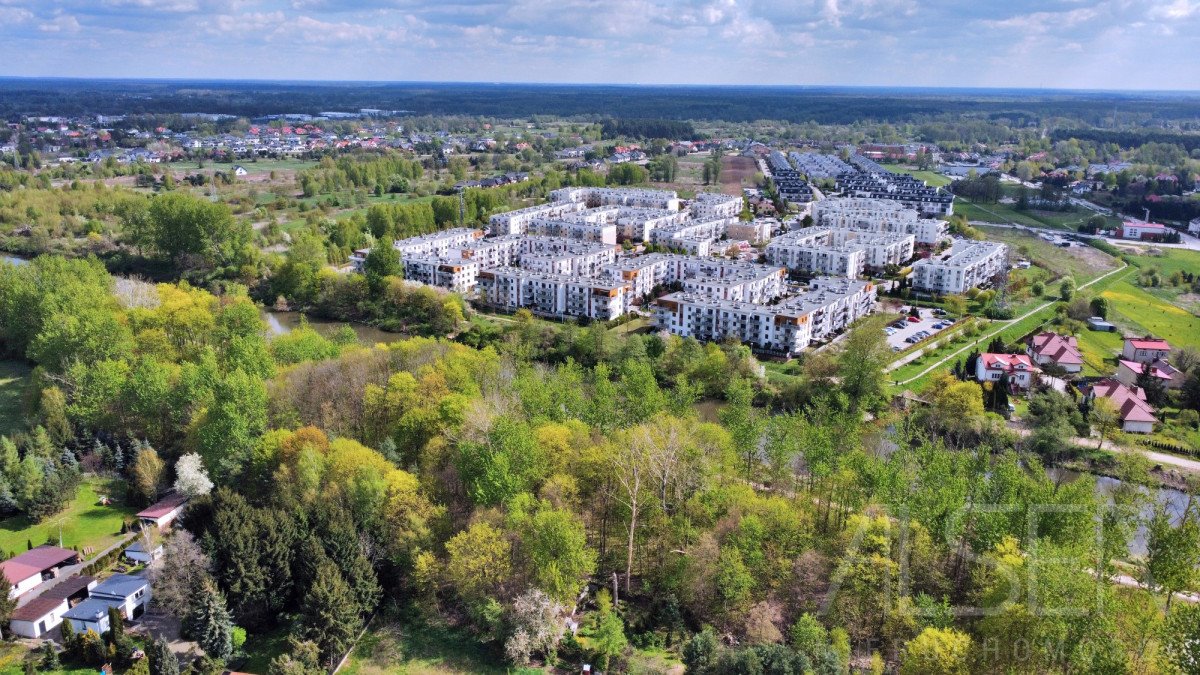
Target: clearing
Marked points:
410	645
1081	262
13	377
737	172
85	523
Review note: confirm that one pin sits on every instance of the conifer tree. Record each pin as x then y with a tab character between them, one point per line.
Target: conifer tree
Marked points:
162	660
210	623
329	616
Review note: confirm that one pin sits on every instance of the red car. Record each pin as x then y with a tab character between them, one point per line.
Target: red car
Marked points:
913	319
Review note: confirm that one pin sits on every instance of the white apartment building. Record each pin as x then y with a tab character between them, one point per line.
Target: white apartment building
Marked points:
881	248
714	205
598	196
598	232
839	252
455	273
516	222
438	243
784	328
753	231
636	223
553	294
711	277
878	215
965	265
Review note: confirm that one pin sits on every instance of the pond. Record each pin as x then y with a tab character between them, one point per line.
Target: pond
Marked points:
1175	501
13	259
279	323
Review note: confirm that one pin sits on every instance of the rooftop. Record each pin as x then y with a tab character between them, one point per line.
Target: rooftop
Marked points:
35	561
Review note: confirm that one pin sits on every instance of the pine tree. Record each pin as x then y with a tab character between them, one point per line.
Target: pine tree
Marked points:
329	616
116	625
68	633
162	660
210	624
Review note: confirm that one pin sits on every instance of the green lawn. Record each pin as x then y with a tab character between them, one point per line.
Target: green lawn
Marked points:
1083	263
931	178
1153	314
84	522
1005	213
13	376
410	645
262	648
1099	349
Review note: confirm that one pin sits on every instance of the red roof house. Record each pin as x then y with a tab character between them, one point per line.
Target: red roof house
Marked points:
27	570
1145	350
1018	367
1136	415
163	512
1060	350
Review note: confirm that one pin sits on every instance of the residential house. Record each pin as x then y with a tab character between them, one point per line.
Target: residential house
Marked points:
139	553
129	594
25	571
1170	376
1018	367
164	512
1054	349
1145	350
1136	415
43	614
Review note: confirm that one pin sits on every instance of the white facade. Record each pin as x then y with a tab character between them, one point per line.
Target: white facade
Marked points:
967	264
715	206
785	328
516	222
50	615
438	243
553	294
598	196
878	215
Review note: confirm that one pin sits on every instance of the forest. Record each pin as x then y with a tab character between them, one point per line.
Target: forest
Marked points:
825	105
657	492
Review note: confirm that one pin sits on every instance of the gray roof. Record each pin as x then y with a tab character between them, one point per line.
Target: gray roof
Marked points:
120	586
92	609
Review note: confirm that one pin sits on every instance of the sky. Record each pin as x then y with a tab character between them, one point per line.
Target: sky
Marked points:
1075	44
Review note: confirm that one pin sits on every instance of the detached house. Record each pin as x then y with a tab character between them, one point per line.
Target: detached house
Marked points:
1054	349
1170	376
163	512
34	566
1145	350
1137	417
44	613
1018	367
129	594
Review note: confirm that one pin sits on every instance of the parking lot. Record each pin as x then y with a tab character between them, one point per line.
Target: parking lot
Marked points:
924	329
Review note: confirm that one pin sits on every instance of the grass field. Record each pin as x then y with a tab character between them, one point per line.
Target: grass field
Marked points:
13	376
411	645
261	648
1152	313
1005	213
931	178
84	522
1083	263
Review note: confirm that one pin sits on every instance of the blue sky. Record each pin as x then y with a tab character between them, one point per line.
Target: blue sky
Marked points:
1114	44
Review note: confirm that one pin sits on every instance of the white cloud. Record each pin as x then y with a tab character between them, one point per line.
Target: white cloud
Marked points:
63	23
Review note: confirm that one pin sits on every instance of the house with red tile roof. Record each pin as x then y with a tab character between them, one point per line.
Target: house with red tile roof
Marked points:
1018	367
1054	349
1145	349
27	570
1170	376
1137	417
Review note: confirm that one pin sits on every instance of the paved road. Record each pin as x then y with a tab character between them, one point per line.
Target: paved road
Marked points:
999	326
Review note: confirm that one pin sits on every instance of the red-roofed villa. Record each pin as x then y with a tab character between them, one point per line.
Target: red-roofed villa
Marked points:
1059	350
1136	415
1145	349
1018	367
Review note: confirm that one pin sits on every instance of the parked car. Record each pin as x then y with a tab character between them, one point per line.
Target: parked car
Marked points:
913	319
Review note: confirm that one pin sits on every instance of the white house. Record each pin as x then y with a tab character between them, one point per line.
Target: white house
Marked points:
25	571
164	512
43	614
1145	350
240	170
1060	350
1018	367
1194	225
1170	376
1136	229
129	594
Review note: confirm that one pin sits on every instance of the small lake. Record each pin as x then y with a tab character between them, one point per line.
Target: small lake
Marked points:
279	323
1175	501
13	259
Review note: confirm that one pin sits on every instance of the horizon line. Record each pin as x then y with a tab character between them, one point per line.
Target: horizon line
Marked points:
908	87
